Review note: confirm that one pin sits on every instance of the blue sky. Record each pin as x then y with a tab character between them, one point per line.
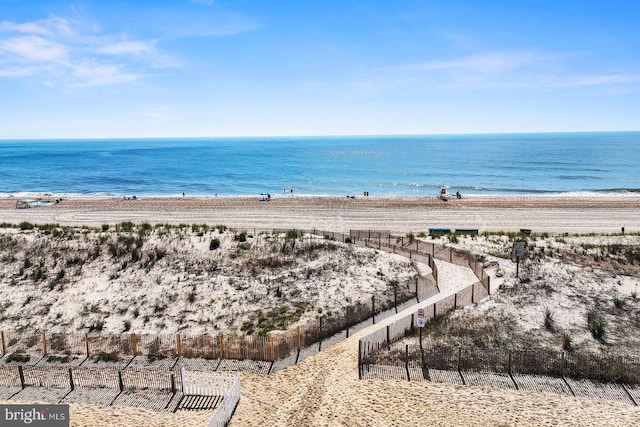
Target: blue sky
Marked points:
101	69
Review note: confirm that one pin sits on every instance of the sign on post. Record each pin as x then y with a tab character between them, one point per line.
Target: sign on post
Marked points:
518	248
420	319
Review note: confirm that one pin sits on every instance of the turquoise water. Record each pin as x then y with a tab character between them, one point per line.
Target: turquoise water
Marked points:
511	164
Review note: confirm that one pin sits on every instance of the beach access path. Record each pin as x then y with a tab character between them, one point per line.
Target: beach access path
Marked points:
324	390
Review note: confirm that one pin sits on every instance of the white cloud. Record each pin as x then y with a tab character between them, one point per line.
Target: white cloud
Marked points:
601	80
90	74
17	71
127	48
58	55
485	62
507	70
35	48
43	27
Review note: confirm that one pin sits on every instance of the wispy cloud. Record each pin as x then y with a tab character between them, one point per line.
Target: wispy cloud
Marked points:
485	62
509	70
127	48
43	27
59	53
34	48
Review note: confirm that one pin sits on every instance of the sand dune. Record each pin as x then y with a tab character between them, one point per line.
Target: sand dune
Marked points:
324	390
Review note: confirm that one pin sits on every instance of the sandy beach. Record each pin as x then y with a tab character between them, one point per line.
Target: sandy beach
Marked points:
324	390
552	214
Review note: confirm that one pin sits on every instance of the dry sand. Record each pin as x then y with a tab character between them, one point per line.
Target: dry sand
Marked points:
324	390
555	214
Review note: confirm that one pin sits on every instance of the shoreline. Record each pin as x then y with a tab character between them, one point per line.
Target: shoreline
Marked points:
551	214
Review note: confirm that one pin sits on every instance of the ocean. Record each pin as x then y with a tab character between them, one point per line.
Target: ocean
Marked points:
501	164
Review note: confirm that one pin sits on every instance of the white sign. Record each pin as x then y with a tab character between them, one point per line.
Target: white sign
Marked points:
420	318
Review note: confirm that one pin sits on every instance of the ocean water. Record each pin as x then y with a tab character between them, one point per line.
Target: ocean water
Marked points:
504	164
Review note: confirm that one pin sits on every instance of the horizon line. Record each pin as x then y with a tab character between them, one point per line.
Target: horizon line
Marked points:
383	135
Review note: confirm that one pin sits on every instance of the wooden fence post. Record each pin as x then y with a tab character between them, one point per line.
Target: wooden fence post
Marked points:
134	344
178	345
412	324
395	297
21	373
4	343
86	344
373	308
406	361
359	360
71	379
434	310
44	343
455	300
388	339
473	291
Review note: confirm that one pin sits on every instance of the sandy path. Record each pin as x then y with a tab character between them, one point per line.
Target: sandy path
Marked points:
544	214
324	390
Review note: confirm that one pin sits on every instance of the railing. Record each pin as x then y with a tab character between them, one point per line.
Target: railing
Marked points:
384	337
207	384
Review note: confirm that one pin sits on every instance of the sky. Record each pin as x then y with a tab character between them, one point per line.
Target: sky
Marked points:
209	68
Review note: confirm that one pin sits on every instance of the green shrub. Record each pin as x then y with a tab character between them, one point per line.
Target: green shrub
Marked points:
618	303
294	234
214	244
18	357
25	226
597	325
567	344
126	226
60	359
549	320
105	357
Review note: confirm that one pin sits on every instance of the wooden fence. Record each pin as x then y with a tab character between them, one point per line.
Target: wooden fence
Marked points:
88	378
273	347
604	368
385	337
